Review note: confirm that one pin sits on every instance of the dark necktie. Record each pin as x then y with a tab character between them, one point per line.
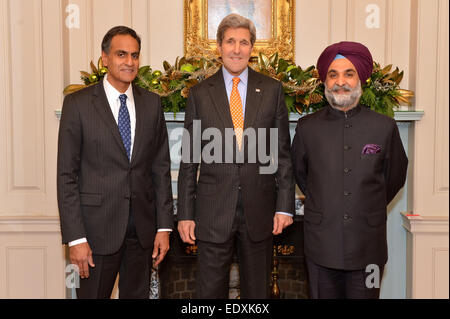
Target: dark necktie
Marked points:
124	124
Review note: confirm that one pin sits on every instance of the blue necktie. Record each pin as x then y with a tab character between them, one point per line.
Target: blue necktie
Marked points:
124	124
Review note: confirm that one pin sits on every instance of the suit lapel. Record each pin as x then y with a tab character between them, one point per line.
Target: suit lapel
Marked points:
139	107
219	97
253	100
101	104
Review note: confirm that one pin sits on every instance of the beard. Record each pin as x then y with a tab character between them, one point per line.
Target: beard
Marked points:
347	100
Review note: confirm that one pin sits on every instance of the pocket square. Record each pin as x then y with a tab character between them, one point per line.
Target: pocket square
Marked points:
371	149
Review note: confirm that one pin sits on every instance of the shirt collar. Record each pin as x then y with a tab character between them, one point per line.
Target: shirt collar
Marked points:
228	77
111	91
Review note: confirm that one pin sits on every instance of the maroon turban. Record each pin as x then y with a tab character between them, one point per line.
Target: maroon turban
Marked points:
357	53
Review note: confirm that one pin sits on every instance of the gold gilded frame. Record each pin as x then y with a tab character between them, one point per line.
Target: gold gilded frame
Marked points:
196	42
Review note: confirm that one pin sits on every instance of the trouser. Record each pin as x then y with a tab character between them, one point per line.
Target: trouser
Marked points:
132	262
327	283
214	261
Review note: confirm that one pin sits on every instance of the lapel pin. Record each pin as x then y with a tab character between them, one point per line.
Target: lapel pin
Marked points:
257	90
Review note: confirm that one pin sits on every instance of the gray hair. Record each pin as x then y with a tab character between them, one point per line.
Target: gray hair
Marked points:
235	21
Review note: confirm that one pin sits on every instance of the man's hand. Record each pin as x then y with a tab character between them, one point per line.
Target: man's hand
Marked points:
81	255
160	246
186	231
280	222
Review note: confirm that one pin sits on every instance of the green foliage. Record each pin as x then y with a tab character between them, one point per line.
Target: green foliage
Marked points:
303	90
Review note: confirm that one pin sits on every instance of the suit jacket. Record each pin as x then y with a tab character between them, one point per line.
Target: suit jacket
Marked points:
212	201
347	191
98	185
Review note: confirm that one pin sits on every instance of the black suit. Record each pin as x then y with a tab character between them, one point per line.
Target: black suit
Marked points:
98	187
235	197
346	191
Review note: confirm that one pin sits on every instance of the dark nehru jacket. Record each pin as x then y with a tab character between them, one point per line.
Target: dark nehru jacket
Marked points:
349	165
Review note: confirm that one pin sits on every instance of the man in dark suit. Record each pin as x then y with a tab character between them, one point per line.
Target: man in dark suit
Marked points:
350	163
234	202
114	184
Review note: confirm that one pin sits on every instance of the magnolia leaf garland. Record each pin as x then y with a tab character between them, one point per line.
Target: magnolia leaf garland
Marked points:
303	90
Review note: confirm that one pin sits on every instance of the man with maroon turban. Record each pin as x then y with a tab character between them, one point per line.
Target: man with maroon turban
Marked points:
350	163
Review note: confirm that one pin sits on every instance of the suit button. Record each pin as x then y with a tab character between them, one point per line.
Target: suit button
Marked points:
346	147
346	193
347	217
239	187
348	125
347	170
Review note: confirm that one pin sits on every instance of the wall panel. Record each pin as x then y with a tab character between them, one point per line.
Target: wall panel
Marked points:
369	25
25	107
430	64
313	30
26	272
442	103
32	263
32	83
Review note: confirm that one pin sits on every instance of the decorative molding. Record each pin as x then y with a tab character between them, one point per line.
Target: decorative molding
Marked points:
441	157
351	20
408	115
400	116
140	20
425	224
27	168
90	29
5	94
438	273
389	32
429	194
427	255
338	22
38	224
32	255
330	15
128	12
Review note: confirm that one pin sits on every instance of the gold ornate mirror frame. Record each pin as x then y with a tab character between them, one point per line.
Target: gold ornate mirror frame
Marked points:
198	43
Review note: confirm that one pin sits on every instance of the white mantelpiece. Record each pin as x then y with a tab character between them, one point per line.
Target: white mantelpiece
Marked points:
427	256
399	116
